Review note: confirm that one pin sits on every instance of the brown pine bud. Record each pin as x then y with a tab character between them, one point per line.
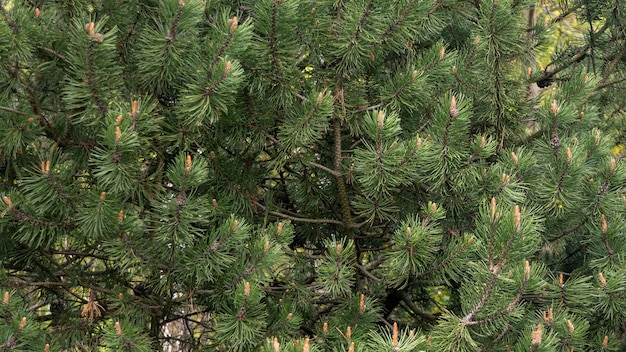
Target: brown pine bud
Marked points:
279	229
493	209
325	328
188	164
233	24
442	52
554	107
320	97
517	218
276	345
569	156
505	179
246	289
454	70
550	316
605	226
133	111
103	196
46	348
526	270
605	341
514	157
98	38
22	323
362	303
120	217
118	134
118	119
394	338
528	73
212	155
536	336
351	349
37	12
118	328
214	203
5	300
570	327
381	119
227	68
454	112
613	164
602	279
348	332
561	279
306	347
289	316
235	225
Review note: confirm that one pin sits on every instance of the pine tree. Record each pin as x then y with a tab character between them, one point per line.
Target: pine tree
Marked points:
290	175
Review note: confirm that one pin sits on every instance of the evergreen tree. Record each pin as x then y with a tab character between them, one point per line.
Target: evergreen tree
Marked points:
290	175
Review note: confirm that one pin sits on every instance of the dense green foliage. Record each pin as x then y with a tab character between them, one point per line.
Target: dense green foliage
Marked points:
291	175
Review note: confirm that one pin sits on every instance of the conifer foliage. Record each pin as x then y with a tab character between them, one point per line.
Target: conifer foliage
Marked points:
295	175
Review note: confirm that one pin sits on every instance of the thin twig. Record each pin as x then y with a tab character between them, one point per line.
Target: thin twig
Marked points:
367	273
5	108
294	218
322	167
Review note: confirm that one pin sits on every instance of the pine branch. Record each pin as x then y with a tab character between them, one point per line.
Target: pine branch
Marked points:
605	84
299	219
274	40
173	31
505	311
52	52
367	108
398	20
8	109
367	273
91	78
613	64
341	185
322	167
225	44
32	94
357	33
414	308
469	317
